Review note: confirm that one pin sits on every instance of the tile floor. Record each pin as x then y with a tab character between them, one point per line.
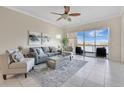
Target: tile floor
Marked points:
97	72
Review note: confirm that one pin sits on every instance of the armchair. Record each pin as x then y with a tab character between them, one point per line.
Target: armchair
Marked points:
79	50
8	67
101	52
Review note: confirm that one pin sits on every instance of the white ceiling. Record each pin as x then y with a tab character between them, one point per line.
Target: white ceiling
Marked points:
88	13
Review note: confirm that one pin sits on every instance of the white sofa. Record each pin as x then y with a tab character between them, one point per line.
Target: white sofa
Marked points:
8	68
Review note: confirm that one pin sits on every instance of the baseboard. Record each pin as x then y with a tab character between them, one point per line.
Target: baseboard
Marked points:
122	62
115	60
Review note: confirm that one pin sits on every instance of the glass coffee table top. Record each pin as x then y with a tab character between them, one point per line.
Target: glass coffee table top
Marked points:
59	57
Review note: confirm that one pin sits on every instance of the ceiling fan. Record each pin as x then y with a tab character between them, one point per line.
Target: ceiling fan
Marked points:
66	14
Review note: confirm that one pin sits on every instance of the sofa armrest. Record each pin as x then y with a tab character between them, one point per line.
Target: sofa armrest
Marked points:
34	55
71	53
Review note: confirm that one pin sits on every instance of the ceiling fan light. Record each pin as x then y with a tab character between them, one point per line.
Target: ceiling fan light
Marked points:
69	19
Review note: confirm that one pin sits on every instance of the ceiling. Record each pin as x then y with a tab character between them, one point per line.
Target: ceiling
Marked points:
88	13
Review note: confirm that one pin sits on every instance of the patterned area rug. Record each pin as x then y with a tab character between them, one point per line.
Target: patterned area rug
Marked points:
54	78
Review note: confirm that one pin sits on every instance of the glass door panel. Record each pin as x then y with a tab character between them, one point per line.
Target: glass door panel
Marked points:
80	39
90	43
102	38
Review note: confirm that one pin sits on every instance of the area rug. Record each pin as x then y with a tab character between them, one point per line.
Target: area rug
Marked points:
55	78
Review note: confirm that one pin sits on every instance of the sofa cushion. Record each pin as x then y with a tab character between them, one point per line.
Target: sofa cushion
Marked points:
43	55
29	62
46	49
51	54
56	53
42	58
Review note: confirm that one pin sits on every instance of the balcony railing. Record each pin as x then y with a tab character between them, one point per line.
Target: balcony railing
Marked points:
92	48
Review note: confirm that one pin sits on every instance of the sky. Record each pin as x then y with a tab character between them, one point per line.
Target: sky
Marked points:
101	35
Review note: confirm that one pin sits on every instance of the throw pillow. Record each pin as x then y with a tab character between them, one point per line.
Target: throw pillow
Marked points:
10	57
54	49
39	51
46	49
17	56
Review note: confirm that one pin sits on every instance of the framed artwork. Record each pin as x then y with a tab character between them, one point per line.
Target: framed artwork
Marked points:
44	38
34	38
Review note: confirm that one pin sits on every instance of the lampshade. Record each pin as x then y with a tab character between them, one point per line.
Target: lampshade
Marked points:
58	36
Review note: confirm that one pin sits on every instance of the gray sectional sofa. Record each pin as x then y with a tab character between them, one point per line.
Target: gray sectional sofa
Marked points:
41	54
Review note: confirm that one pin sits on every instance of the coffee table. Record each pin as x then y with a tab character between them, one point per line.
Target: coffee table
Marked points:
58	60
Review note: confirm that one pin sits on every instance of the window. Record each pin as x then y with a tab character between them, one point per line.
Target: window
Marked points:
90	40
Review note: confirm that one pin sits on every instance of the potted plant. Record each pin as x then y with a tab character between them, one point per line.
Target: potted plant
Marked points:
65	42
20	48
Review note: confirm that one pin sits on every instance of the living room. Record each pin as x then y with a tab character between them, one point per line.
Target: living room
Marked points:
50	46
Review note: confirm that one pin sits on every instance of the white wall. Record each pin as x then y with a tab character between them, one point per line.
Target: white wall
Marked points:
114	25
14	26
122	38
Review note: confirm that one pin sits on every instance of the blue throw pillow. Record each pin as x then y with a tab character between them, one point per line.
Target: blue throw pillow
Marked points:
39	51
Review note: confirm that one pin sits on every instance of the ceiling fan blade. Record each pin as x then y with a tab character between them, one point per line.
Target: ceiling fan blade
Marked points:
59	18
67	9
75	14
56	13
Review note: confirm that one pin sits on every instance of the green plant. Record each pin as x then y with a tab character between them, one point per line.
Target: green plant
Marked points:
65	42
20	48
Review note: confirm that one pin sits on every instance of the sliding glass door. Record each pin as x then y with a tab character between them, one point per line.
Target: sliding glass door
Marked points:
102	38
89	41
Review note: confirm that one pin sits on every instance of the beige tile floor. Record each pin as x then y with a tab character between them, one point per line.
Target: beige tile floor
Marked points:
97	72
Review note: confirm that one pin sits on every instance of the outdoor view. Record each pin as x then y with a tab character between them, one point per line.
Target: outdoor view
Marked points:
90	40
